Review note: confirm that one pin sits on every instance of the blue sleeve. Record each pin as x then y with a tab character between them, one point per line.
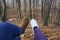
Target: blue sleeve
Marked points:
16	30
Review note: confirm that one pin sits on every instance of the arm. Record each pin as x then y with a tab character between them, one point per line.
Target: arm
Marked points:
16	30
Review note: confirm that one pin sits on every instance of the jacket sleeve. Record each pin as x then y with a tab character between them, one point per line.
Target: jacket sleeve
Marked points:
16	30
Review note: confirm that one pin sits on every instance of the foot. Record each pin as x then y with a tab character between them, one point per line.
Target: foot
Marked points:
33	23
24	23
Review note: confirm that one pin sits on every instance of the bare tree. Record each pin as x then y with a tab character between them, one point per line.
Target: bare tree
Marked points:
0	9
37	2
33	5
46	11
13	3
30	11
4	17
42	9
59	15
19	8
25	5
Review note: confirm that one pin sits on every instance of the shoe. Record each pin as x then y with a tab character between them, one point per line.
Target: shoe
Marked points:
33	23
24	23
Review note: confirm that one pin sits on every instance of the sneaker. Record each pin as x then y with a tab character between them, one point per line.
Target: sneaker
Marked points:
33	23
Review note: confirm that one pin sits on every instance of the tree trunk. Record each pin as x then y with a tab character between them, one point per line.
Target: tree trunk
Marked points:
18	8
30	11
59	15
4	17
49	8
25	5
42	10
13	3
1	9
33	5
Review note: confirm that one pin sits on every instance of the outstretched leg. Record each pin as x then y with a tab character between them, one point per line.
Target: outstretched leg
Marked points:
38	35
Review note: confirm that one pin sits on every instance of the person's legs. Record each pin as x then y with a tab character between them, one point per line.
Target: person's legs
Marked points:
38	35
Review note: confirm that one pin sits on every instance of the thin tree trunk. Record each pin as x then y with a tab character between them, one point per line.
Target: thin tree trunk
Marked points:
25	4
18	8
42	10
13	3
4	17
33	5
59	15
46	20
30	11
1	9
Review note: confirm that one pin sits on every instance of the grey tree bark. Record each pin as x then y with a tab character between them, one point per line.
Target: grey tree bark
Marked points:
25	5
47	12
49	8
30	11
4	17
19	8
